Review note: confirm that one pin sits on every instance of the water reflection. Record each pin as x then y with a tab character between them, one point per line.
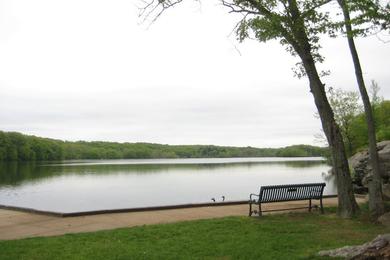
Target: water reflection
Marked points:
14	173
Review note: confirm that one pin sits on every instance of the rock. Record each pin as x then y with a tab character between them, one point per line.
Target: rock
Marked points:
363	170
385	219
379	248
346	252
360	189
384	147
386	191
383	253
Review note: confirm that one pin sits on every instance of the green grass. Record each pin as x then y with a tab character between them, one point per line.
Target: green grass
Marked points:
284	236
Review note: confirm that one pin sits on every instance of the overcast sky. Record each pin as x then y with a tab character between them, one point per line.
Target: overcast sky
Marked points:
88	70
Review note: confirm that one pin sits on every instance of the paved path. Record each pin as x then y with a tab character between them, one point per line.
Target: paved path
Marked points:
16	224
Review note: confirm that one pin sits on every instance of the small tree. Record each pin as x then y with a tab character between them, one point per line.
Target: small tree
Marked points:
375	99
297	25
346	107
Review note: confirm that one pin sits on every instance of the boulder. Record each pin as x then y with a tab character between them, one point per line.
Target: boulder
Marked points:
377	254
360	189
384	158
363	170
385	219
386	191
379	248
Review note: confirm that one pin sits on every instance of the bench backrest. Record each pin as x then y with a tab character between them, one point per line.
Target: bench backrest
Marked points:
277	193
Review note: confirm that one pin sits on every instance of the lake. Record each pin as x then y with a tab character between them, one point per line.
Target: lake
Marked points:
86	185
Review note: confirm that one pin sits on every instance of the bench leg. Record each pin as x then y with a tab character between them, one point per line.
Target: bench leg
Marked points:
309	205
260	213
322	208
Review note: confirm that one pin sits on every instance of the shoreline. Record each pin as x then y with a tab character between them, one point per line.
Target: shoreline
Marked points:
129	210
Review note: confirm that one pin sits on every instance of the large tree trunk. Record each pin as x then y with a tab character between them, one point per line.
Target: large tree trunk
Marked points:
375	203
347	203
347	206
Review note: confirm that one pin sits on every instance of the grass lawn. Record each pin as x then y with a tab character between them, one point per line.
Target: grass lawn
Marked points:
282	236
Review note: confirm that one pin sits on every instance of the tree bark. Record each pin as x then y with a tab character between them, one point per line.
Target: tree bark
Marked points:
347	206
346	200
375	203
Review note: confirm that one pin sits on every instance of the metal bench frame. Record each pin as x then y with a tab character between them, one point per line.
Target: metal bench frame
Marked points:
289	192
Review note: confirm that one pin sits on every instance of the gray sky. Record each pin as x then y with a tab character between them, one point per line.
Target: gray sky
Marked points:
88	70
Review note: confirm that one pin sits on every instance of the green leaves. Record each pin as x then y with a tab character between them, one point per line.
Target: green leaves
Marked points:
367	17
349	115
295	24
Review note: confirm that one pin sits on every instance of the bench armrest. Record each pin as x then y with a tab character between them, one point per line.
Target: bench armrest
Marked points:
252	194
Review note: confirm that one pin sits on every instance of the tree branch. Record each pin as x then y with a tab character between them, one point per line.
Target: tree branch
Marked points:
234	8
155	8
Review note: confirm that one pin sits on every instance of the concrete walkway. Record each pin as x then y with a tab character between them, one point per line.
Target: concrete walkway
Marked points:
16	224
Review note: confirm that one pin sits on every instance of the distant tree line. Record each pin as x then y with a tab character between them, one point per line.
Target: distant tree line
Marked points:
19	147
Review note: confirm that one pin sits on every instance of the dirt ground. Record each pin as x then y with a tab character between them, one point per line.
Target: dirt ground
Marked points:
17	224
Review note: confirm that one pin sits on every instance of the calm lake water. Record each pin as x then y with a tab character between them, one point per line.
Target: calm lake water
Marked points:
86	185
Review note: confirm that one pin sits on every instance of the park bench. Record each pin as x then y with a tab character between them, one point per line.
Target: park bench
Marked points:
289	192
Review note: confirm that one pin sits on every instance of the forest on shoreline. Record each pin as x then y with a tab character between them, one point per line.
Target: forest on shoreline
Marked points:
15	146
